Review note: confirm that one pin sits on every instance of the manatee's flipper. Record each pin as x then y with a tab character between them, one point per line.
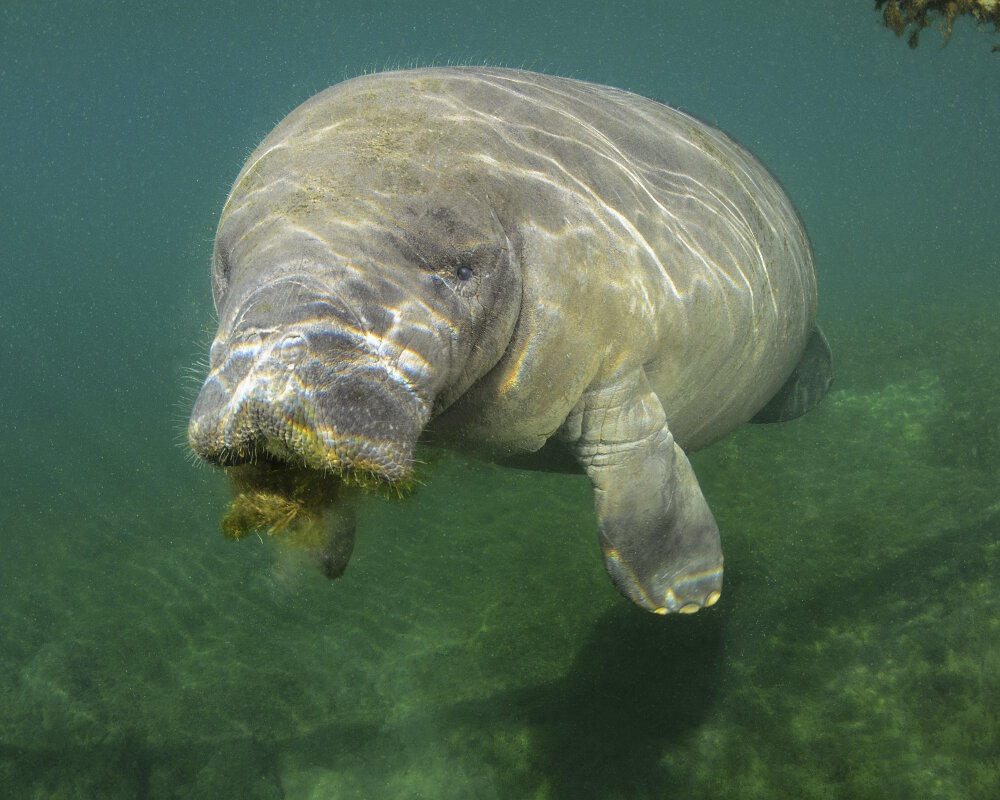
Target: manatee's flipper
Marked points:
338	523
805	387
660	540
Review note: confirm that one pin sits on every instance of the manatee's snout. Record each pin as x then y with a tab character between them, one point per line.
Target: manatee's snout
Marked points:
316	393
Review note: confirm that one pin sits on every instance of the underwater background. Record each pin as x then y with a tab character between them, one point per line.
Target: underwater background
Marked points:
475	647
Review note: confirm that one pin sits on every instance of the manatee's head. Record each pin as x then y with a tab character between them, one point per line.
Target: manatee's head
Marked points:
364	278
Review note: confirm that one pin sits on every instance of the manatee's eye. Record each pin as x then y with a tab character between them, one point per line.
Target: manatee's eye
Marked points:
463	273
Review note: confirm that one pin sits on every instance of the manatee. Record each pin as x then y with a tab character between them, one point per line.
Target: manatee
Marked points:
533	269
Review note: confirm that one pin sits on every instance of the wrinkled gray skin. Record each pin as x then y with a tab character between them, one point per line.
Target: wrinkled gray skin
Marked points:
499	259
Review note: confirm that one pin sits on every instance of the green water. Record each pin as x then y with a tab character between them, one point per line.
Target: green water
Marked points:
475	648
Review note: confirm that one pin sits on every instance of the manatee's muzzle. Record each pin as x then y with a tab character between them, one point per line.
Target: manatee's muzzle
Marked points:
305	396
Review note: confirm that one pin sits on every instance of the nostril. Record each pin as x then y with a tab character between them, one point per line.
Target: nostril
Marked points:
291	348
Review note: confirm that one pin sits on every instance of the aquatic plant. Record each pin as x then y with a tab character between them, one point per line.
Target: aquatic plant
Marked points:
279	499
901	15
310	509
